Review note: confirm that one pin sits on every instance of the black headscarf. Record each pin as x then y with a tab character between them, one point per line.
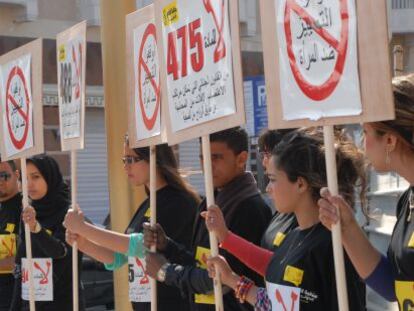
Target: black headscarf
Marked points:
52	208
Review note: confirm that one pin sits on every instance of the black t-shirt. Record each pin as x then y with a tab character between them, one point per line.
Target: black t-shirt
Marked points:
280	225
248	219
10	212
175	213
302	272
401	251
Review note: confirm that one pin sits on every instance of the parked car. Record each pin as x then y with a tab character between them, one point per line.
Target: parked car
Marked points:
98	282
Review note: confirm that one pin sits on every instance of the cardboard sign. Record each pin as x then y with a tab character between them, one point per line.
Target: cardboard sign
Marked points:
202	87
139	281
71	63
326	62
21	102
144	88
42	279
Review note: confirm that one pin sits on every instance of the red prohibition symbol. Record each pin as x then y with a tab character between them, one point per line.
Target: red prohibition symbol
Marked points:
318	92
149	121
220	51
10	101
78	67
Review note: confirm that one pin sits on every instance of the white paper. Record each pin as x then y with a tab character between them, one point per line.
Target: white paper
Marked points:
147	82
321	87
205	91
139	281
284	297
42	279
249	109
70	87
17	105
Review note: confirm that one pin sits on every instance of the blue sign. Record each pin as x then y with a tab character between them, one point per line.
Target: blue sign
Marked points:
255	97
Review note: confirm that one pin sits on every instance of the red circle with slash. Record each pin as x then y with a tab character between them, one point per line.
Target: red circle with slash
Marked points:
149	121
318	92
10	101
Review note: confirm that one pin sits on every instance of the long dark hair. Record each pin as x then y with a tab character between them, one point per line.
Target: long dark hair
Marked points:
270	138
167	166
302	154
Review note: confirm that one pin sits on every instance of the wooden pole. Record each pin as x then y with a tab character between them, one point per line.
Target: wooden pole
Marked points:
208	178
74	188
153	216
27	234
116	120
338	252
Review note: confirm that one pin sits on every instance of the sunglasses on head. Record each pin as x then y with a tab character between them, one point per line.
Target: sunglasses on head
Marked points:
4	176
131	159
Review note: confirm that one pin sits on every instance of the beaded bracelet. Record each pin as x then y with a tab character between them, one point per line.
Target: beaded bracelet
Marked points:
262	301
242	288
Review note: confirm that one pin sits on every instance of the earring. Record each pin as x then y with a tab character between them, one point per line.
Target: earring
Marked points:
388	157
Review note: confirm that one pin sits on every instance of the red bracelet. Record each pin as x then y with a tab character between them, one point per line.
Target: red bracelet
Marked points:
242	288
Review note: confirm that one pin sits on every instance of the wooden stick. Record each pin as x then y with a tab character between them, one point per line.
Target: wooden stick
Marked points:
75	268
153	215
208	178
329	140
28	238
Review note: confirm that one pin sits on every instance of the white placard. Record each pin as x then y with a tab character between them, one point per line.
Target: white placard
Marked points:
283	297
147	81
70	83
318	58
42	279
139	281
17	105
198	61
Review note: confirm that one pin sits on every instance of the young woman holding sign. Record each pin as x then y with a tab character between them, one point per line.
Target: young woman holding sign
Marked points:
176	209
389	145
281	223
300	272
52	257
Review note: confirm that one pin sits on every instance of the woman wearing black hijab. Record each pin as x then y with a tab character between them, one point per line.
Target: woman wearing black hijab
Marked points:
50	200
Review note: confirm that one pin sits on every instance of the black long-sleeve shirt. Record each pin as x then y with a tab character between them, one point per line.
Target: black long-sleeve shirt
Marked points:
175	213
248	219
10	211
